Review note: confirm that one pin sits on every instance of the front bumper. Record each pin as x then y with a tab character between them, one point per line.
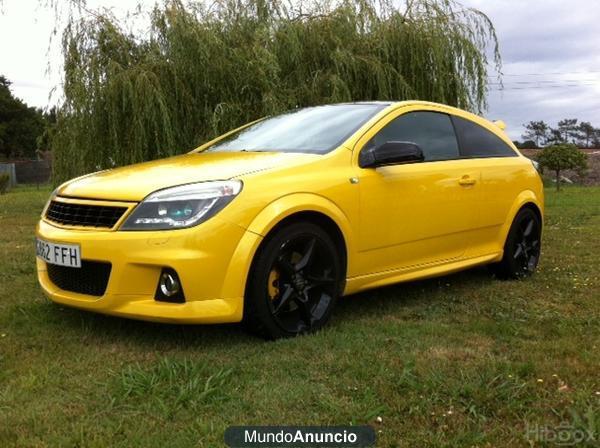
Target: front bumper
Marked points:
206	258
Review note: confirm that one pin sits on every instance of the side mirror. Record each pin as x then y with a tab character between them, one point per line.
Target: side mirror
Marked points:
390	153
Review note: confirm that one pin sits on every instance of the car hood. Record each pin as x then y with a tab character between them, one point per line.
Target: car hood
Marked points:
135	182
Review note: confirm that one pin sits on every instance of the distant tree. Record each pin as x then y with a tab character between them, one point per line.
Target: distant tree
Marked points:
20	125
538	131
587	133
568	129
596	140
554	137
562	157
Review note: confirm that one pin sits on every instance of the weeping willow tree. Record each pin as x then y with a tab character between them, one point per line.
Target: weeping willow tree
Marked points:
199	70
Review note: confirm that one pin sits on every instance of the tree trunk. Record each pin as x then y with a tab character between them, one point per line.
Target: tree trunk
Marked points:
557	180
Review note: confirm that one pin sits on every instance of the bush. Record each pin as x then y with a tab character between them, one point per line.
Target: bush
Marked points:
562	157
528	144
4	183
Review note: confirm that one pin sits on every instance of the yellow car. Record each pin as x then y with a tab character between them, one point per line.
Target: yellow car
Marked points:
271	223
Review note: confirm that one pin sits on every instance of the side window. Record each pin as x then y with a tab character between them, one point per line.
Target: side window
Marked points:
476	141
432	131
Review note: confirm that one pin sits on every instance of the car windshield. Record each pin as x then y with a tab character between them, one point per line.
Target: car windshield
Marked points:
314	130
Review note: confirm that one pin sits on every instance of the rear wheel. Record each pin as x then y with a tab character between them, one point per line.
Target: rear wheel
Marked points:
294	282
522	247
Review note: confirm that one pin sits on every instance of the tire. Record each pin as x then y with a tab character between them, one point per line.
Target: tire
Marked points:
522	247
294	283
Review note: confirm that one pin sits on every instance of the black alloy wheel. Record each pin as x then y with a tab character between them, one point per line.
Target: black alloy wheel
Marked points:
295	282
522	247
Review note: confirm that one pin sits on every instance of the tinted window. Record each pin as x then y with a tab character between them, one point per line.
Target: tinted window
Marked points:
476	141
313	129
432	131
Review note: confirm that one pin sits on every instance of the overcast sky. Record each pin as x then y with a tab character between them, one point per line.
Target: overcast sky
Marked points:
550	51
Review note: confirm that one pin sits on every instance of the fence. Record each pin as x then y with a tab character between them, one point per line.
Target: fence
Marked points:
27	171
33	172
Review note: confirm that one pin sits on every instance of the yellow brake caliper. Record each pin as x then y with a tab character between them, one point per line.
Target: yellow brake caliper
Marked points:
273	284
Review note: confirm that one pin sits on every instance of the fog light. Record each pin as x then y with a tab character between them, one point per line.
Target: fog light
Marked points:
169	287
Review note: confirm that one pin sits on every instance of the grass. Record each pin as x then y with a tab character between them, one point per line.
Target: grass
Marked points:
462	360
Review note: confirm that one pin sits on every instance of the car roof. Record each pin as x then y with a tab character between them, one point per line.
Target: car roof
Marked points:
411	103
450	109
401	103
366	103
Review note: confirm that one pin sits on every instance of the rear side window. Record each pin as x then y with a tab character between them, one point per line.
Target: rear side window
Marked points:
432	131
476	141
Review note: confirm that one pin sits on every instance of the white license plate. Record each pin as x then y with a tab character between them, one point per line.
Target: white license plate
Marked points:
60	254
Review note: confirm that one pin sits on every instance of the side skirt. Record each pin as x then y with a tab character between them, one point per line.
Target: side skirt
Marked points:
364	282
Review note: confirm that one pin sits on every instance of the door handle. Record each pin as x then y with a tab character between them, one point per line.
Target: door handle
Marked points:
467	180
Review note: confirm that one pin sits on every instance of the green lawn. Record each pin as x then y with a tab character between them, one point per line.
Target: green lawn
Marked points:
463	360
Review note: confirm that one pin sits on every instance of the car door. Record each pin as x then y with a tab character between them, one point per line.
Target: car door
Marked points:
501	169
416	214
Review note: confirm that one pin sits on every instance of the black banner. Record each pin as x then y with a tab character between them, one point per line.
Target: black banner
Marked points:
299	436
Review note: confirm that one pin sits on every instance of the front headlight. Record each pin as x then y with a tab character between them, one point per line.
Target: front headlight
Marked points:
182	206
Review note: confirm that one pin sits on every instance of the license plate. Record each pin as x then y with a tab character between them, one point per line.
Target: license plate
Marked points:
60	254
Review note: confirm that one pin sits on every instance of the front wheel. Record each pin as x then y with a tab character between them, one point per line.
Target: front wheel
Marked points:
294	282
522	247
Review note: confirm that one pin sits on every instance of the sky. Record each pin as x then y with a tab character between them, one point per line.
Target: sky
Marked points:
550	51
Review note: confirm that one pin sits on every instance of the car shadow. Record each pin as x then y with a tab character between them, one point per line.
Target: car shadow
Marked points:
108	329
411	294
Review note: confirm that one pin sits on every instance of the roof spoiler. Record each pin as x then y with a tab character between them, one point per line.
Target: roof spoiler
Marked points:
501	124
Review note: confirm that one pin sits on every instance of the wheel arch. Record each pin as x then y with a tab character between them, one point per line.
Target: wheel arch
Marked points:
285	210
527	199
323	221
533	206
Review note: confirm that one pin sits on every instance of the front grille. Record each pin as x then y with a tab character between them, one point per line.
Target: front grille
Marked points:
91	278
85	215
